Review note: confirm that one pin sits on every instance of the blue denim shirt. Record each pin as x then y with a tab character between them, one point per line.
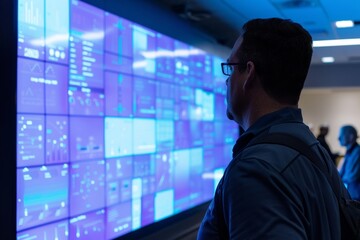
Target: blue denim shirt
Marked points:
270	191
350	172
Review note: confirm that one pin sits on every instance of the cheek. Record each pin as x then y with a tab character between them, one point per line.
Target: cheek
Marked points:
228	89
235	91
234	95
229	92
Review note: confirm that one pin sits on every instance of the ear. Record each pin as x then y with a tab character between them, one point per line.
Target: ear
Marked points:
352	137
250	75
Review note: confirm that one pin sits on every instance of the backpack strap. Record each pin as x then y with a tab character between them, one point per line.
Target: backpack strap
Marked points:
304	149
349	209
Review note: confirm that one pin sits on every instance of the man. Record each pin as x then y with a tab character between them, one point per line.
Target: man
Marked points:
350	171
270	191
323	131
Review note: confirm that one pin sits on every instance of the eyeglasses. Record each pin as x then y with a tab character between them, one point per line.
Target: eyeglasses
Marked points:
228	68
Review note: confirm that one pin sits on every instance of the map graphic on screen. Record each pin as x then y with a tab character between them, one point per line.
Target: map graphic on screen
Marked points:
118	126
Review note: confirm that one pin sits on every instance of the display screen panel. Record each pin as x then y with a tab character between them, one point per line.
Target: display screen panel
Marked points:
118	126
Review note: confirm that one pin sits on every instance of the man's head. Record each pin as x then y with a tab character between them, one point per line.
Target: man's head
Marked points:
275	52
324	130
347	136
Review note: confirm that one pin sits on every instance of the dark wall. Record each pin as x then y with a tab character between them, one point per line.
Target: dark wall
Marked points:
8	48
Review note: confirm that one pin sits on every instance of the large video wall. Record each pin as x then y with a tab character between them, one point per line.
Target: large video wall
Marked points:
118	126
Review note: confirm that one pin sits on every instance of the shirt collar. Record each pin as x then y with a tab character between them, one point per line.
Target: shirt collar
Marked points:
284	115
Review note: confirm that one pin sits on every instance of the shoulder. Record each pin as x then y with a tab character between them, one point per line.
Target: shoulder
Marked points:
259	170
273	164
357	149
273	157
355	153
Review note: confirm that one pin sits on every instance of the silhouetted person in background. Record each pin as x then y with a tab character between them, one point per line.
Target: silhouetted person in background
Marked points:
350	171
323	131
271	191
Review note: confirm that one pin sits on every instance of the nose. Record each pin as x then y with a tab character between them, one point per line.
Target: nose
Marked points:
227	81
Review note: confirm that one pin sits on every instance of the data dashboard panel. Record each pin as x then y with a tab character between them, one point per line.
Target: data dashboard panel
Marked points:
118	126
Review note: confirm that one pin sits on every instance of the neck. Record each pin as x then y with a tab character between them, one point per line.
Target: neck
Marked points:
259	107
348	147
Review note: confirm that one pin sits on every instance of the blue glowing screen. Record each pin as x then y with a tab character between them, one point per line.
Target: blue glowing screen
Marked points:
118	126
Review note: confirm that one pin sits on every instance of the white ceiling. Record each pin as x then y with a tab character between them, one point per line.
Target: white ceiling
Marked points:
224	18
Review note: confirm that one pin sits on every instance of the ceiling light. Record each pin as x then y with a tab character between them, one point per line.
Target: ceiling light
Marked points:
337	42
344	24
327	59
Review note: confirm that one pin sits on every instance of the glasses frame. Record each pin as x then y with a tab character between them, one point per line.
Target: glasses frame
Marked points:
228	64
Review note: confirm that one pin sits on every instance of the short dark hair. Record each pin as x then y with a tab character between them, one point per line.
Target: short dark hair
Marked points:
281	51
349	129
324	129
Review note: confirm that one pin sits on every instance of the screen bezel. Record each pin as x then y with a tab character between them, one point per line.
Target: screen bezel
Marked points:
8	46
